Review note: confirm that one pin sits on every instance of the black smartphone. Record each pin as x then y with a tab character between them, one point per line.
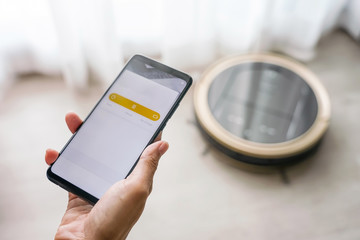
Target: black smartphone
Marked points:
127	118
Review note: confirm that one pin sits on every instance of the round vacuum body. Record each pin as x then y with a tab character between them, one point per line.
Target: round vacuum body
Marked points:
261	108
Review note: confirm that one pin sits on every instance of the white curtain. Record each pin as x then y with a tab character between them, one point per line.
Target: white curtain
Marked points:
87	39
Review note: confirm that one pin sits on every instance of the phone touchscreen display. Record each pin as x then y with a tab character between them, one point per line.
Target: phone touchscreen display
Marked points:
109	142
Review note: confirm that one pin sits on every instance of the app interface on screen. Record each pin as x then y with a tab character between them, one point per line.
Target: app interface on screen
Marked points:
108	144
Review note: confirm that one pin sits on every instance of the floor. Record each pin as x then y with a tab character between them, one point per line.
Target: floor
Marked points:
199	193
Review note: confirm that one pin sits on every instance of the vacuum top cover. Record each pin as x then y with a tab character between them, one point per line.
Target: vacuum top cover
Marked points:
262	102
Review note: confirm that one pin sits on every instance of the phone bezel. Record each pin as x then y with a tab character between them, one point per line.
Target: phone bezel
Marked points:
82	193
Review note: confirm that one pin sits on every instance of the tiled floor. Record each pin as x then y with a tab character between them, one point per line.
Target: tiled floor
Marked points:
198	193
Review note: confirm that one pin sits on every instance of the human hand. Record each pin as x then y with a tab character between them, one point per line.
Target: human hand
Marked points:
113	216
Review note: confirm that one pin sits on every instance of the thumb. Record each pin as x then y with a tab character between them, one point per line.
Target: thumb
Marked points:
148	162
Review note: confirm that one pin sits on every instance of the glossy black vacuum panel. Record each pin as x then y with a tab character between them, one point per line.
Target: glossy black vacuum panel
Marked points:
262	102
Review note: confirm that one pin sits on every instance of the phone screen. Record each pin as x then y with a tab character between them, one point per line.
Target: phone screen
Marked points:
126	119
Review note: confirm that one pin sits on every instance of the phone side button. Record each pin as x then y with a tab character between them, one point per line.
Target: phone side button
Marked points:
162	127
171	114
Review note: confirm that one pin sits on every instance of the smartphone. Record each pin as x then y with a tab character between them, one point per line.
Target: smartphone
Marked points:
127	118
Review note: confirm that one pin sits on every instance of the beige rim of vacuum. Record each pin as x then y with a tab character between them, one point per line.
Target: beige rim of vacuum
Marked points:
260	150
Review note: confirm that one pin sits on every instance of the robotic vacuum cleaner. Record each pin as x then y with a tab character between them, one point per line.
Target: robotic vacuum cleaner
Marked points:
262	109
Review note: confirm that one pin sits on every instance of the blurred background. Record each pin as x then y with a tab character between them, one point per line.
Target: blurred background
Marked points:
57	56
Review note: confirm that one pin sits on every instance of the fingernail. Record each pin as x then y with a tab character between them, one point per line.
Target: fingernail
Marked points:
163	147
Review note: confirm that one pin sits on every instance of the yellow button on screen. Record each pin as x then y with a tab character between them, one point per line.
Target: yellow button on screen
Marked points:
135	107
